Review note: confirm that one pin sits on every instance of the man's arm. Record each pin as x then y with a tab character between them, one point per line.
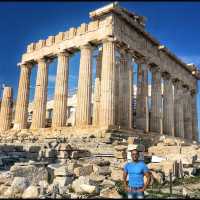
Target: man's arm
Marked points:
148	176
125	180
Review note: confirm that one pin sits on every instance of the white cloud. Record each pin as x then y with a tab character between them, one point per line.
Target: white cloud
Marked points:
191	59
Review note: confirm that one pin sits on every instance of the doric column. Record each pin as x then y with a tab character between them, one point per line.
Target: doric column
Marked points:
130	92
6	109
21	111
194	115
83	113
61	91
124	90
108	88
168	105
117	106
178	109
142	96
156	100
40	99
97	91
187	110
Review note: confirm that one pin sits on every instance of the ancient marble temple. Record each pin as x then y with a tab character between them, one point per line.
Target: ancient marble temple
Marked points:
122	43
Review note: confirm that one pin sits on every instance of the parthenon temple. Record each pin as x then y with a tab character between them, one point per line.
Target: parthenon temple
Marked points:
123	43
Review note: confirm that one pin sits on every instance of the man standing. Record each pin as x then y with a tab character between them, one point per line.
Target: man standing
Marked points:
136	170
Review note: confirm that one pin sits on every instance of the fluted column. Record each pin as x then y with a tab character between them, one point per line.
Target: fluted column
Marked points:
83	113
187	113
21	111
156	100
142	96
108	88
194	115
97	91
124	90
6	109
40	99
117	106
178	109
168	105
61	91
130	92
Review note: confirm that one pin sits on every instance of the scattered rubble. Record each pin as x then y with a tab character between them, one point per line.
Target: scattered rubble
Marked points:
62	168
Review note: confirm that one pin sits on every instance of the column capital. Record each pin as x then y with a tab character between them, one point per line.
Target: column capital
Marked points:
44	60
86	46
25	65
166	75
186	88
109	39
177	83
142	60
154	68
63	53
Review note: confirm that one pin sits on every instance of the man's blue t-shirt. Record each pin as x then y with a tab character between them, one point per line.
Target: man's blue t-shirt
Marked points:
135	171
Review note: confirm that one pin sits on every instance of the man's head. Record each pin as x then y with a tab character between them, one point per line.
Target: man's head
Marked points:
135	154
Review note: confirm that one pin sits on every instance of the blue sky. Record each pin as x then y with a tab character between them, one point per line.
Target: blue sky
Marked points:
174	24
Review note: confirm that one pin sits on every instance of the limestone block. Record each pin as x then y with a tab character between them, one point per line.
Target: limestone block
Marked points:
63	154
120	154
63	180
32	173
3	189
32	148
107	183
72	32
6	148
50	40
30	47
130	140
80	154
154	166
102	170
92	26
84	170
82	29
64	147
81	180
40	44
59	37
72	166
62	171
169	142
110	193
43	186
168	166
158	176
120	148
31	192
96	179
50	153
6	178
117	175
102	162
90	189
19	184
191	171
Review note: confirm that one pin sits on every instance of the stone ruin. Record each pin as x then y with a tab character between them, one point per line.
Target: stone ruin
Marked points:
86	160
